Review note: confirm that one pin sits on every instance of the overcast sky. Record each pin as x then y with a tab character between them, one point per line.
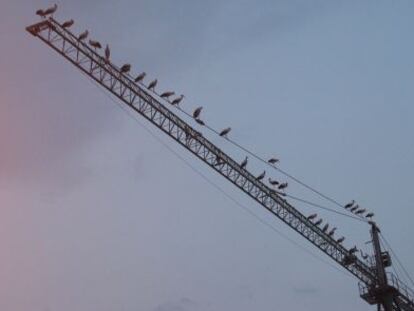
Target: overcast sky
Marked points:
97	214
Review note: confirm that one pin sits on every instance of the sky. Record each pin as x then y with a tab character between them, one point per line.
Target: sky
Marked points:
97	213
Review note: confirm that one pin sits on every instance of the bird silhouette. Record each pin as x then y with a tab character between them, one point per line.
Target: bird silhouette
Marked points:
197	112
140	77
83	35
68	24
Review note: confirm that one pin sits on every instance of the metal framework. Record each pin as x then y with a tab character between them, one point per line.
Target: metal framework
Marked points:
142	101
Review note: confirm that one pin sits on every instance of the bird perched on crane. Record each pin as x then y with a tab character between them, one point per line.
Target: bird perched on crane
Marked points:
350	204
340	240
197	112
48	11
312	216
353	250
152	84
68	23
201	122
83	35
95	44
369	215
140	77
244	163
353	209
224	132
167	94
273	182
318	222
361	211
125	68
325	228
331	233
261	176
107	53
51	10
273	160
283	186
178	100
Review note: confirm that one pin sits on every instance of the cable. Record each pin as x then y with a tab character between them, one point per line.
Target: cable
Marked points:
324	208
237	203
398	260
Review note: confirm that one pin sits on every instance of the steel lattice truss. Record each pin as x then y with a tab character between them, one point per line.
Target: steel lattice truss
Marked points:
143	102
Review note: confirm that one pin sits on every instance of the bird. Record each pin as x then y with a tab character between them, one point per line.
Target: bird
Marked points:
261	176
83	35
68	24
95	44
331	233
340	240
244	163
177	100
273	161
107	53
125	68
41	13
273	182
140	77
325	228
361	211
369	215
353	250
167	94
317	223
51	10
312	216
353	209
224	132
283	186
350	204
152	84
197	112
201	122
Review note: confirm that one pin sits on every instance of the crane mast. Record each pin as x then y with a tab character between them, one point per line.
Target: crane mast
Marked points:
144	102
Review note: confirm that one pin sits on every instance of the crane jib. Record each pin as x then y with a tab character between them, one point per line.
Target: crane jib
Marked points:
143	102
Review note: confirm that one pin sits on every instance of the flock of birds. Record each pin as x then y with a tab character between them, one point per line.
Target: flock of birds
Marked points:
278	187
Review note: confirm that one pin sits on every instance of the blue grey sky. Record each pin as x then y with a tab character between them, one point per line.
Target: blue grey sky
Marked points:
96	214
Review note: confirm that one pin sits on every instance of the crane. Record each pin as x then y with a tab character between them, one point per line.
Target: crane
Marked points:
376	286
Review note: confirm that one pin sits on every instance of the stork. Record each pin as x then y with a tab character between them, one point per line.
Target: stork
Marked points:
331	233
177	100
350	204
340	240
167	94
224	132
201	122
125	68
152	84
273	182
353	250
83	35
312	216
283	186
95	44
51	10
325	228
273	160
41	13
369	215
140	77
261	176
317	223
353	209
107	53
197	112
361	211
68	23
244	163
